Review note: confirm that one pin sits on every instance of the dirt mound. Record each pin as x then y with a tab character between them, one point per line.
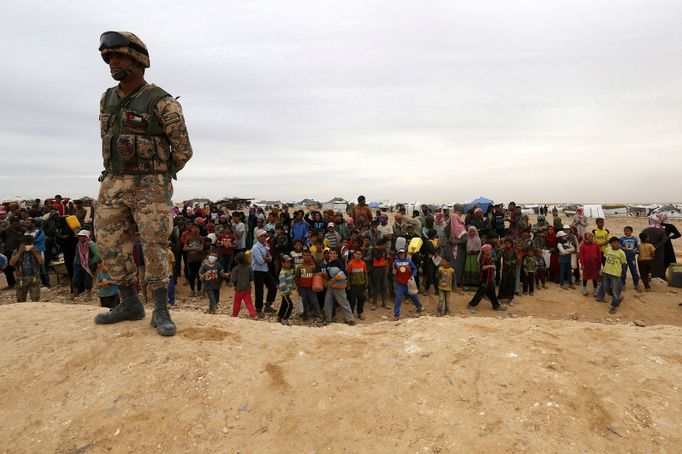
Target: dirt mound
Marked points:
419	385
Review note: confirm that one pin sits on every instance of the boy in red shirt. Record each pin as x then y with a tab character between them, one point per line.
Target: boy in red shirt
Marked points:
304	282
404	269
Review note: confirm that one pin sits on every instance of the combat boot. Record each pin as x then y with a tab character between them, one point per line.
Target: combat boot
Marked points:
161	319
130	308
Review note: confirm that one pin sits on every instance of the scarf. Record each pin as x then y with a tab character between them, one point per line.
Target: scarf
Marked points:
457	227
438	218
657	219
84	255
473	240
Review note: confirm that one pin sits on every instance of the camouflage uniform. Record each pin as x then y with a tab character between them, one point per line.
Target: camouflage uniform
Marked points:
134	194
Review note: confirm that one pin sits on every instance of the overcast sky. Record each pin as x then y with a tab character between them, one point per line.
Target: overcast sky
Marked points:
520	100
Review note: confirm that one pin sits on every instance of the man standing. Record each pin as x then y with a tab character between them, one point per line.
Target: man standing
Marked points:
260	258
144	145
361	213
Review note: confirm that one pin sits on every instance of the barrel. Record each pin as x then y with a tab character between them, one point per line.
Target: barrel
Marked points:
318	283
73	222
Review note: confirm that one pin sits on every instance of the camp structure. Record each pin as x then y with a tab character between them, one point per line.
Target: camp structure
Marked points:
481	202
615	210
235	203
336	204
672	211
593	211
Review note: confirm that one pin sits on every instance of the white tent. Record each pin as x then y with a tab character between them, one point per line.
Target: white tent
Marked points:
593	211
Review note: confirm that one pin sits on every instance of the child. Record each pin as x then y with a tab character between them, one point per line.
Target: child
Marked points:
241	277
211	273
541	270
630	246
429	250
379	270
357	276
172	280
332	236
613	269
286	286
487	285
304	282
336	290
601	237
530	266
508	279
590	260
446	283
108	292
644	260
565	249
27	262
404	269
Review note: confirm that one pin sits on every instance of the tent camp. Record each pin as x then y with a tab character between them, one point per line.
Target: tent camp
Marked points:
593	211
336	204
481	203
671	210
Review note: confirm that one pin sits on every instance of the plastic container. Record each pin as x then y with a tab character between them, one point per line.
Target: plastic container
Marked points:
73	222
676	279
415	245
400	243
672	268
318	283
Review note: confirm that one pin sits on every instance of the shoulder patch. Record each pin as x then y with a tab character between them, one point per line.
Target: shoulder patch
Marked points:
171	118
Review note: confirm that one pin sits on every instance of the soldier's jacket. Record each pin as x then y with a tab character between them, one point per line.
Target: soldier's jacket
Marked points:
143	133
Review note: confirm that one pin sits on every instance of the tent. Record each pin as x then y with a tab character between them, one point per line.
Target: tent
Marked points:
671	210
374	204
336	204
480	202
593	211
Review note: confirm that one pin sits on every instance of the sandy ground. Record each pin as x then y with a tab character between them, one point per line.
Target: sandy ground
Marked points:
556	373
419	385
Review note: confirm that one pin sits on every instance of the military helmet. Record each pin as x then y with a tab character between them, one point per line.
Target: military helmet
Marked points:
123	43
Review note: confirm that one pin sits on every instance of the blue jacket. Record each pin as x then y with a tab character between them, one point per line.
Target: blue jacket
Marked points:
258	253
299	231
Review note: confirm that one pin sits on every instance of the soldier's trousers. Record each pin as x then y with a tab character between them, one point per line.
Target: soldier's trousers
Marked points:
129	203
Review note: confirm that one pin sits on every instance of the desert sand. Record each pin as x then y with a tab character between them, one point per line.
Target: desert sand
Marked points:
556	373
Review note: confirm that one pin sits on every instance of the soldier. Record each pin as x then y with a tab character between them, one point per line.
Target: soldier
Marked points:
144	145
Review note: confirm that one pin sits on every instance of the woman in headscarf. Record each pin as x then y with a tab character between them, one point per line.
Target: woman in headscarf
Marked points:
659	234
579	222
457	240
471	276
523	226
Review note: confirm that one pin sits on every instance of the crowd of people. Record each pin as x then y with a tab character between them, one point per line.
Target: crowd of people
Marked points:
321	262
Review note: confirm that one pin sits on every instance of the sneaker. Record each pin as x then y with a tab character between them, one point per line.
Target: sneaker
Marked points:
525	293
638	289
420	309
268	309
500	308
584	291
601	300
620	299
472	308
284	321
613	309
396	318
571	286
361	316
351	323
595	292
374	307
647	289
438	314
531	293
563	287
